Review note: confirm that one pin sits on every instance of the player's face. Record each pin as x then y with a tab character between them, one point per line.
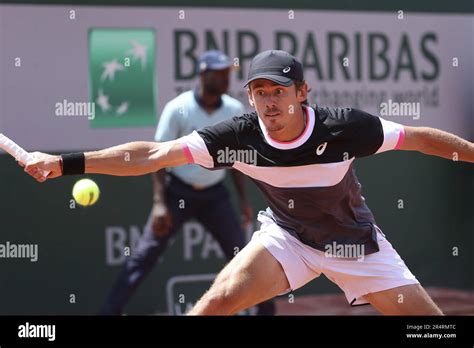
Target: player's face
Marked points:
275	104
215	81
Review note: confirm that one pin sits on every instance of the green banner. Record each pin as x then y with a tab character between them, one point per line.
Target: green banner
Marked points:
122	76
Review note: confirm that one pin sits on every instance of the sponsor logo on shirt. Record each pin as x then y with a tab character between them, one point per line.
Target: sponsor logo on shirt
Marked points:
321	148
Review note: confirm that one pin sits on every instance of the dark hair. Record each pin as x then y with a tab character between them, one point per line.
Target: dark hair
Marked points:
298	85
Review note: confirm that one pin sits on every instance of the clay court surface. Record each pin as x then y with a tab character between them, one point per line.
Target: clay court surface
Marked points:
451	302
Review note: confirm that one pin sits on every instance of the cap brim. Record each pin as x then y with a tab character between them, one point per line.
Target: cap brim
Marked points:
281	80
218	66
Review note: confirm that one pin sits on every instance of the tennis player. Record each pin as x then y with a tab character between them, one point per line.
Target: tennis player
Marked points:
302	159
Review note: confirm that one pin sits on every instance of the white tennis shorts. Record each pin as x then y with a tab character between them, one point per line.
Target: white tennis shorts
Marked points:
301	263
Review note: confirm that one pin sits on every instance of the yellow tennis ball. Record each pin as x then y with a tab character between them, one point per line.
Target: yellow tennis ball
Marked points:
85	192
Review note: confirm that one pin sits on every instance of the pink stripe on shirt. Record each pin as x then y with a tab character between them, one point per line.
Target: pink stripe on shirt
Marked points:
401	138
188	154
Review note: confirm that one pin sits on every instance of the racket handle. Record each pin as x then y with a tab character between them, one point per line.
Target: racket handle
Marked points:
16	151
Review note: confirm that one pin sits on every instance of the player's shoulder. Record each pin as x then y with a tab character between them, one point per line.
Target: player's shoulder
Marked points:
342	116
247	121
234	131
240	125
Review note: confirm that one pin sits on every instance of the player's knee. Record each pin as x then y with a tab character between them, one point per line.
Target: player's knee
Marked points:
214	303
430	309
222	297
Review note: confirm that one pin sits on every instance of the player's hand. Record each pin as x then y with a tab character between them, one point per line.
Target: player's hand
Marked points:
161	220
43	163
247	213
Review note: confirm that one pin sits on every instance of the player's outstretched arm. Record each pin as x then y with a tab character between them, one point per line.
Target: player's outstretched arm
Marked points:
130	159
136	158
436	142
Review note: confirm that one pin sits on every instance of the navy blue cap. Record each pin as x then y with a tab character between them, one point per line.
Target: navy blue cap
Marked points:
277	66
213	60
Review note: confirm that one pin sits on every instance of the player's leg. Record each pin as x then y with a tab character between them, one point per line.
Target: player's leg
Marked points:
227	231
142	260
251	277
381	279
404	300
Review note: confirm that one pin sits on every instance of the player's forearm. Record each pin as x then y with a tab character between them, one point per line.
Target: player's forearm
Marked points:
439	143
130	159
